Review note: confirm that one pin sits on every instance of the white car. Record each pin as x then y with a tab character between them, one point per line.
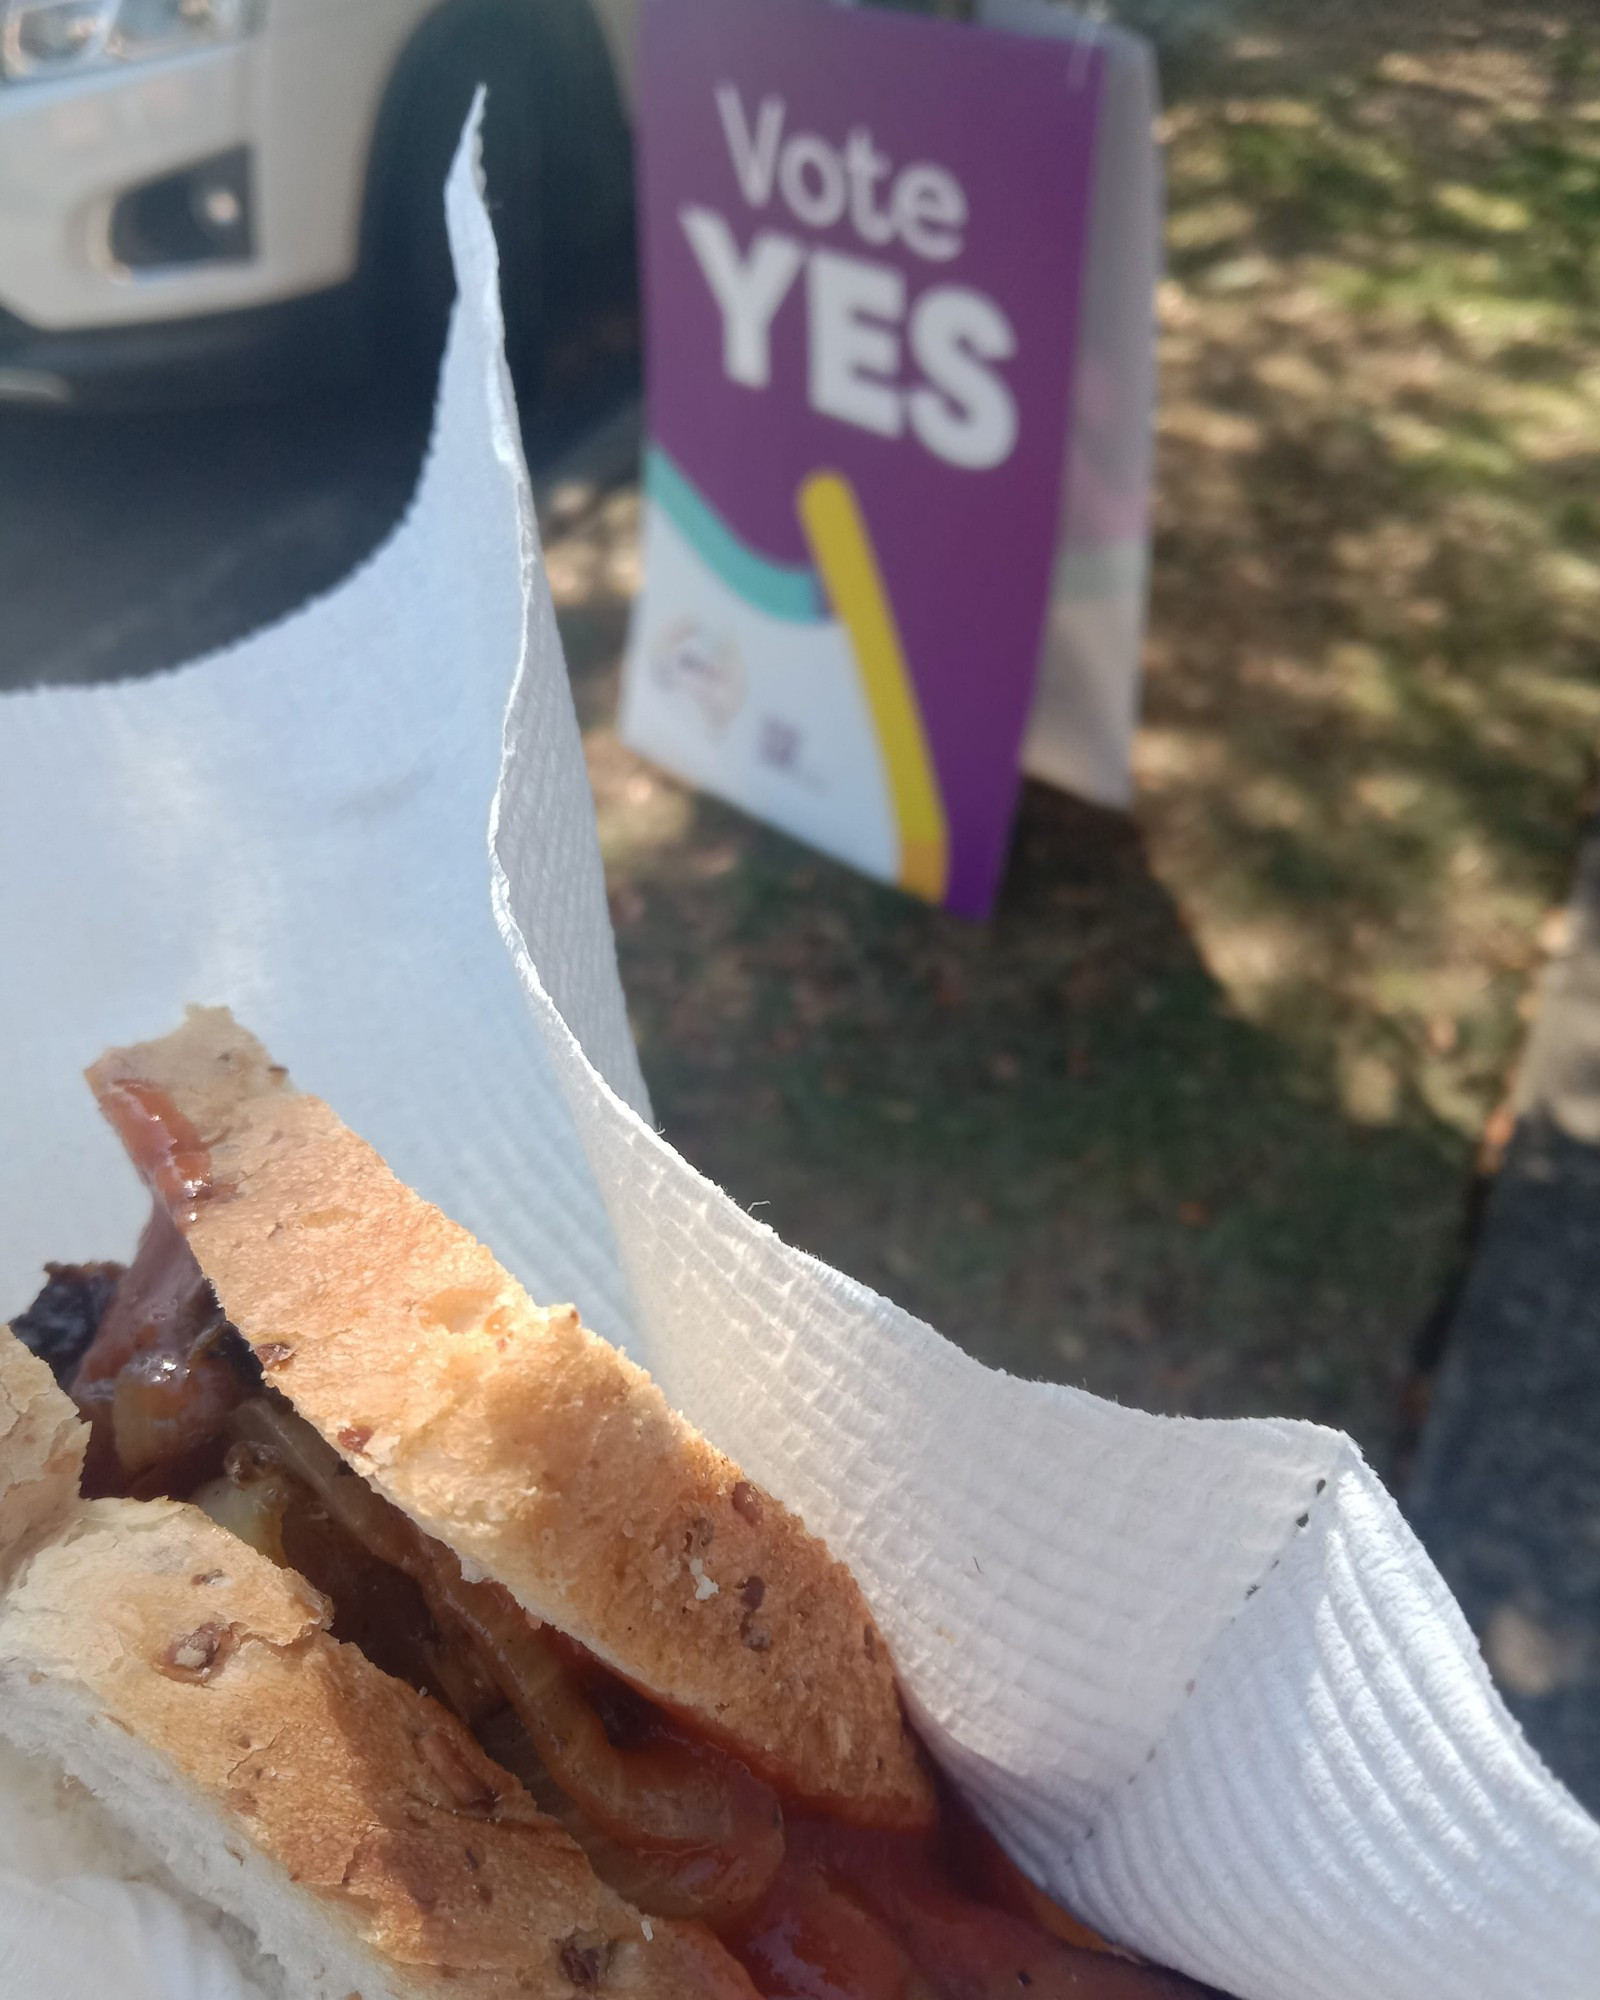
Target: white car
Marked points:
225	196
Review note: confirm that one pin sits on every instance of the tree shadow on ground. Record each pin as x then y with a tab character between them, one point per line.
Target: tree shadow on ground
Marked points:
1374	673
1051	1136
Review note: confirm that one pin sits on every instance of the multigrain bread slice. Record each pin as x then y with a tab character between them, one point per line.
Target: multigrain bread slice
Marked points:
351	1823
42	1443
541	1455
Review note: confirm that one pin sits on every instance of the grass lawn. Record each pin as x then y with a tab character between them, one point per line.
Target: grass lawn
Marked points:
1192	1121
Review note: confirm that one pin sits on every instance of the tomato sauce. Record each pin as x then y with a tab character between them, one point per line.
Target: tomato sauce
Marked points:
173	1160
857	1915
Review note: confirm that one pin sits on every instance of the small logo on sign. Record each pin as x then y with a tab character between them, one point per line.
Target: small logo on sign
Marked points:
687	660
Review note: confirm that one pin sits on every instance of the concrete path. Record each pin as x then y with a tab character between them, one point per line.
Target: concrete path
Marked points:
1506	1491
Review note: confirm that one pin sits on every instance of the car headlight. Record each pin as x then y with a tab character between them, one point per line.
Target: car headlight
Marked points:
47	38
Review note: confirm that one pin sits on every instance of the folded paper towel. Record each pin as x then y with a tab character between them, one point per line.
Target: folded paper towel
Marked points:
1198	1675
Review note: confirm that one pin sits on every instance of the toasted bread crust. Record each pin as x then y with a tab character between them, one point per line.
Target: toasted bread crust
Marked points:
540	1454
42	1442
370	1798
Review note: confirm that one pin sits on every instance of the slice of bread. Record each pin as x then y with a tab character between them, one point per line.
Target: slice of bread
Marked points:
351	1823
545	1458
42	1443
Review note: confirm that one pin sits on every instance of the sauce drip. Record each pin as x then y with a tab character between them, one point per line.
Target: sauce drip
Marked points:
173	1160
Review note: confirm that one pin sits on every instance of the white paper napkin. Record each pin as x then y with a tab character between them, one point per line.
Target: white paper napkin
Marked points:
1199	1675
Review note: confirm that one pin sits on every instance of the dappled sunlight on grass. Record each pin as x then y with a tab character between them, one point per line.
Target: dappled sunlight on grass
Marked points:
1377	584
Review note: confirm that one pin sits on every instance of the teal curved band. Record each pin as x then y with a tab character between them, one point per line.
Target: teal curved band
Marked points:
775	588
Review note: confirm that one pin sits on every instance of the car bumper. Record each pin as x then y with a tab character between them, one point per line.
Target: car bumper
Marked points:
296	105
280	348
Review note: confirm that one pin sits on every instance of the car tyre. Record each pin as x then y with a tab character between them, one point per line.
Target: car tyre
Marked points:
413	282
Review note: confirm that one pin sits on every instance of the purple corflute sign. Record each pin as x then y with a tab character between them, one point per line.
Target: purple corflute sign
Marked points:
863	242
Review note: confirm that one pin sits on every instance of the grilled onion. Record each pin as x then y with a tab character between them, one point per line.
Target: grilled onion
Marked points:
682	1828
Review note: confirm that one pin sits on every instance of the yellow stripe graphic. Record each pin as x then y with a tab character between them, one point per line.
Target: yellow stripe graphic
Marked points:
842	551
